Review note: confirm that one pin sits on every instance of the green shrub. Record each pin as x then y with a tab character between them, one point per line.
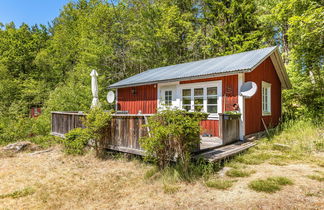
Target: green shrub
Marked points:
269	185
75	141
98	123
174	134
44	141
219	184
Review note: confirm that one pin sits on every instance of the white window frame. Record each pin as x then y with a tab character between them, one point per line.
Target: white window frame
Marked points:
266	98
170	99
204	85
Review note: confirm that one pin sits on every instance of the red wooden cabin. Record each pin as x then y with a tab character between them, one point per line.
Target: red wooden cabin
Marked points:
211	85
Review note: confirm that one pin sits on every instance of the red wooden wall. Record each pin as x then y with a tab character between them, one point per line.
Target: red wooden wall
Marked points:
144	99
229	92
253	106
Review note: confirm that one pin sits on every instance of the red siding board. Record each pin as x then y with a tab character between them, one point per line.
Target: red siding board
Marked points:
253	106
144	99
209	127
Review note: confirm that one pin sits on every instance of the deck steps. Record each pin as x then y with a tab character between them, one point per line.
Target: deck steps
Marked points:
223	152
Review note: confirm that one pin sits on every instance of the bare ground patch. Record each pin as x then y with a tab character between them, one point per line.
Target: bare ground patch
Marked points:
85	182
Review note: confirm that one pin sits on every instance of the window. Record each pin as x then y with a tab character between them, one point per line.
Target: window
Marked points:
198	99
266	98
205	96
212	100
168	97
186	99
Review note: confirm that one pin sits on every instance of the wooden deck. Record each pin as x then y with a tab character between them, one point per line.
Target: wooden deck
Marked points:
125	130
208	143
223	152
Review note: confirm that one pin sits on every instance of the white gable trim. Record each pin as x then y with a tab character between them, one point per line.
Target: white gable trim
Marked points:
279	67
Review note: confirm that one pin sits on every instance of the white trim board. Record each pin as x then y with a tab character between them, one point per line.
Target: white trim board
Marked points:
241	103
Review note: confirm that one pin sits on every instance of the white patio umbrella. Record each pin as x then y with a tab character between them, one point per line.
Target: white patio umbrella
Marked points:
94	88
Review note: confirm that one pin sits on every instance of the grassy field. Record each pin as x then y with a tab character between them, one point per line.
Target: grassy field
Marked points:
284	172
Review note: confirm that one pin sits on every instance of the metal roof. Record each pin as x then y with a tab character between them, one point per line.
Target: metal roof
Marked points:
240	62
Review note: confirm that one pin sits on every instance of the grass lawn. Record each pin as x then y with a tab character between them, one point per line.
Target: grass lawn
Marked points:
264	177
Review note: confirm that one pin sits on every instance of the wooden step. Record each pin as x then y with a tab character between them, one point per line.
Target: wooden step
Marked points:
225	151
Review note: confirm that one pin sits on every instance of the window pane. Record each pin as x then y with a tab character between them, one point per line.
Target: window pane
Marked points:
198	91
212	100
199	108
168	97
186	107
186	100
212	91
186	92
212	109
199	100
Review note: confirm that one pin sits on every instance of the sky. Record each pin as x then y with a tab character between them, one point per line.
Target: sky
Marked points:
30	11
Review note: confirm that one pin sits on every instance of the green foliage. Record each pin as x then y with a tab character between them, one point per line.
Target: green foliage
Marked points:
316	177
219	184
97	124
174	134
232	113
269	185
170	189
19	193
75	141
238	173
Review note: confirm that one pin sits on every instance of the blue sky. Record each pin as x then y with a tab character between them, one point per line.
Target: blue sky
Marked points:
30	11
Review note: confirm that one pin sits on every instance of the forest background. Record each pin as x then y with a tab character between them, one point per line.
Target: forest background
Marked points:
49	66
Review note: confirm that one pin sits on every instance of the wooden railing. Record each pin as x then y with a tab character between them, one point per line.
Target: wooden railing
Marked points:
63	122
122	135
125	130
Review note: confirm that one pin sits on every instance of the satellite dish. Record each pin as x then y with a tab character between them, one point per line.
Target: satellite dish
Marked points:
248	89
110	96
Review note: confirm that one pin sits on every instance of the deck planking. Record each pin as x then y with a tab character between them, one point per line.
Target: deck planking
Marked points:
223	152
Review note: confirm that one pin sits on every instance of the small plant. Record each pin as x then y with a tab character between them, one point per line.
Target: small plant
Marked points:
219	184
238	173
75	141
170	189
232	113
269	185
150	173
19	193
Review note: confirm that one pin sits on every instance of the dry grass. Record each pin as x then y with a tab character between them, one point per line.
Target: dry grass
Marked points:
58	181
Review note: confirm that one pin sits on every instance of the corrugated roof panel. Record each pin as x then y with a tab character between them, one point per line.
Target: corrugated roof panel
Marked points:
225	64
